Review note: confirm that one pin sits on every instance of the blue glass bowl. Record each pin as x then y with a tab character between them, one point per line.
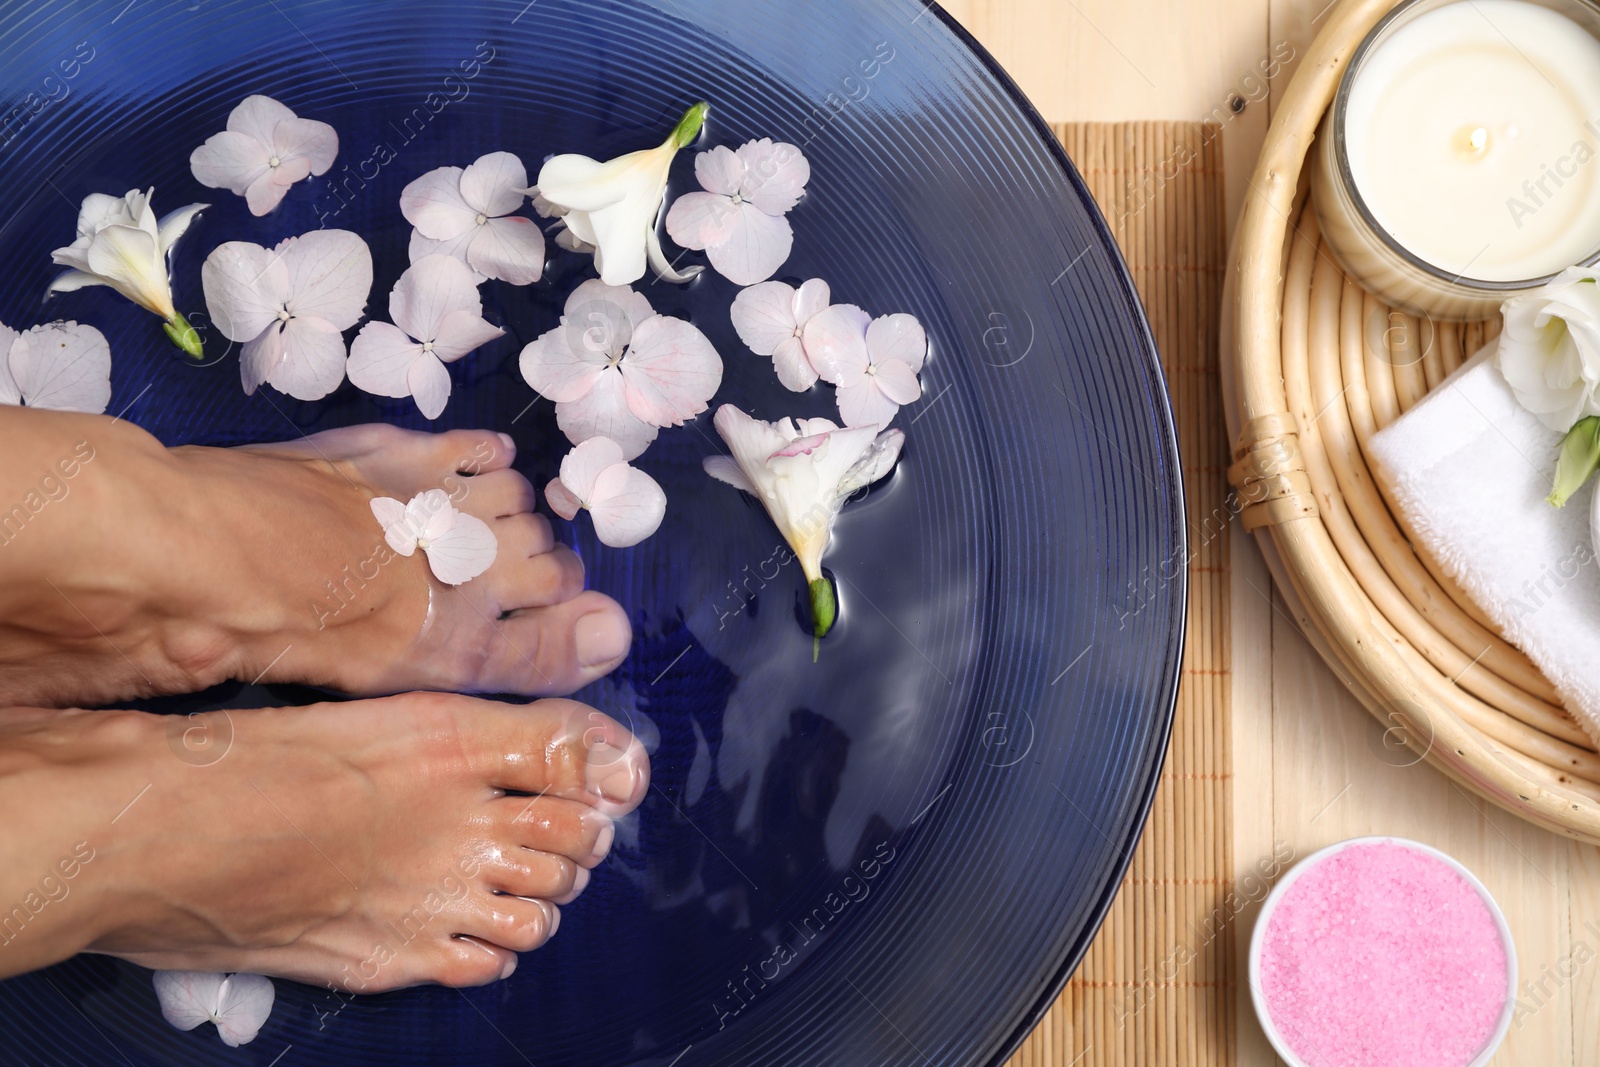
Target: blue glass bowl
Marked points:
894	855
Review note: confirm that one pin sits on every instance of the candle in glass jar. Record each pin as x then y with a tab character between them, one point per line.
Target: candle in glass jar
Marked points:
1473	137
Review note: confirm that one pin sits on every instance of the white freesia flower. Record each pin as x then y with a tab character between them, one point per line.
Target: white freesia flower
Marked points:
265	149
617	369
739	219
238	1003
627	505
438	319
459	546
613	206
289	307
771	318
62	366
1550	348
874	362
803	471
467	213
121	244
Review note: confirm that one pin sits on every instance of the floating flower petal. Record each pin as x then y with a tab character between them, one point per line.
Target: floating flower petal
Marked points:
770	319
467	213
121	244
237	1003
289	306
627	505
874	362
739	219
265	149
459	546
439	319
61	366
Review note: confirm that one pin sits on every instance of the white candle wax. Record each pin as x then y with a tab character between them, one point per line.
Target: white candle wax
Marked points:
1473	135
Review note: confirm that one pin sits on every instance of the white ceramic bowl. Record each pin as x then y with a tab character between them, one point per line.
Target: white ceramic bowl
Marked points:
1258	938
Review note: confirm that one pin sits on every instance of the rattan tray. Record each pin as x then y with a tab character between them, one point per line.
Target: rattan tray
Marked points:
1313	373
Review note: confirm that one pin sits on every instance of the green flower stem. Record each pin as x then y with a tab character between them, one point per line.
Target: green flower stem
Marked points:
184	336
1580	458
688	127
824	610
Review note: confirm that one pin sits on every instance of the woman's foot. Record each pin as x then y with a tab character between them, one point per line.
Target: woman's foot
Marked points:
166	571
367	846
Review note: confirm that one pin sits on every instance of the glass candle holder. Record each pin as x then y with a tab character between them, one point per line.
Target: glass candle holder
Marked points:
1459	165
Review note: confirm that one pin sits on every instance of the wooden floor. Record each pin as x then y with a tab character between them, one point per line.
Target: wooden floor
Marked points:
1309	767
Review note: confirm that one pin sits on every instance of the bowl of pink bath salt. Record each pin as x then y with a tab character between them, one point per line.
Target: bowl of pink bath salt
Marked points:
1382	952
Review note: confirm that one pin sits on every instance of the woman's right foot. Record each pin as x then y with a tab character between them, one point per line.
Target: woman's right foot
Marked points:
366	846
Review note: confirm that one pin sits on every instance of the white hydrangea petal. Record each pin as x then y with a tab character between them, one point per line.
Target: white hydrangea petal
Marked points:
764	316
627	506
257	116
464	551
864	404
330	275
430	385
836	342
700	220
494	185
752	246
719	170
794	367
671	371
380	357
434	205
726	469
230	160
9	393
63	366
245	287
187	998
243	1007
583	464
897	381
510	249
455	247
313	359
624	305
560	498
900	338
315	142
555	369
775	175
397	529
461	332
428	290
265	193
260	357
603	412
811	299
430	513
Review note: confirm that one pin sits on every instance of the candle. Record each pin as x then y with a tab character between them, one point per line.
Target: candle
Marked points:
1466	153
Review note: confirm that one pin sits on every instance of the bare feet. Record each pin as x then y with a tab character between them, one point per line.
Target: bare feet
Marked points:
166	571
368	847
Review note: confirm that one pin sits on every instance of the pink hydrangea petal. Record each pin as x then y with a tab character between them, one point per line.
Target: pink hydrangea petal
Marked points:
725	469
315	142
9	339
243	1006
434	205
246	287
836	342
775	175
671	371
260	357
811	299
313	359
430	513
794	368
561	500
461	332
897	381
431	288
430	385
330	275
464	551
63	366
455	247
257	116
699	220
510	249
391	515
627	506
583	464
494	185
900	338
594	293
187	997
763	316
555	369
603	412
229	160
752	246
864	404
380	357
264	194
719	170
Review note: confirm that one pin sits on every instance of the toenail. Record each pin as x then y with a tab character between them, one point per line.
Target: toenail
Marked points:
511	965
580	882
602	637
610	773
603	837
505	439
552	918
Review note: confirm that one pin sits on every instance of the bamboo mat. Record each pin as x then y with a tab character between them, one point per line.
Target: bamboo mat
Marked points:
1157	987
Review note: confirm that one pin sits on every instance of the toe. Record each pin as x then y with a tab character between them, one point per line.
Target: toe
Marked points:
567	828
494	494
525	575
474	451
511	922
470	961
524	872
560	748
558	649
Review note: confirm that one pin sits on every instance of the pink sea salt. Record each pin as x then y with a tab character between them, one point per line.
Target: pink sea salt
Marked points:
1385	956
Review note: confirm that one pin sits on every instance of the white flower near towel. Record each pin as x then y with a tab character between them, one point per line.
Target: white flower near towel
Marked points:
237	1003
1550	349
